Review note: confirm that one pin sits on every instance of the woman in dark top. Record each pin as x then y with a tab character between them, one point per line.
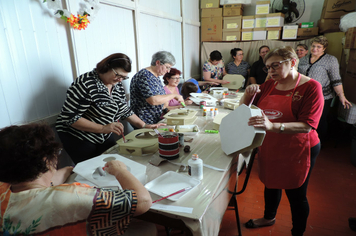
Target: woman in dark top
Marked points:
257	75
238	66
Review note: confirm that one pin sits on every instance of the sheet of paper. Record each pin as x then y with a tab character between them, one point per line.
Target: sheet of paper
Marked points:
172	208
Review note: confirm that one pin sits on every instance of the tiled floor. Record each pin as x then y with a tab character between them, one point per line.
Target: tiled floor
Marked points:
331	195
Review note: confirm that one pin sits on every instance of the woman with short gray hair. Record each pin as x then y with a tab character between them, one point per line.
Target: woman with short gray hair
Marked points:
148	97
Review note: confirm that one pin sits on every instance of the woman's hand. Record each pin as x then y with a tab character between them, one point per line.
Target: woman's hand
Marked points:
154	126
224	82
115	167
115	127
260	122
179	98
188	101
252	89
344	101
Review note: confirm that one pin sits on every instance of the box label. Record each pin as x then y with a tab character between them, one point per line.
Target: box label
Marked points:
231	38
209	5
273	34
232	26
263	9
273	21
247	36
261	23
248	23
289	33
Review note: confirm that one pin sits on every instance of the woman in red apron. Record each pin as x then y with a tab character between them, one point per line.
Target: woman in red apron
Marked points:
292	105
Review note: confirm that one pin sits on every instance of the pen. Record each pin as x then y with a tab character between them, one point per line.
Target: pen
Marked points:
170	195
183	104
123	136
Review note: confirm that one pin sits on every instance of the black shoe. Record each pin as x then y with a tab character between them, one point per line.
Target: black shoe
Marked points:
250	224
352	223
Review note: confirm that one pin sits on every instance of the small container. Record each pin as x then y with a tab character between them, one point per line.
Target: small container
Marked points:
204	112
202	104
181	139
216	112
195	165
212	112
224	95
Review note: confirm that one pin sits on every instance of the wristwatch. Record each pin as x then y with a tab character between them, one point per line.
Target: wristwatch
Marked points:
281	128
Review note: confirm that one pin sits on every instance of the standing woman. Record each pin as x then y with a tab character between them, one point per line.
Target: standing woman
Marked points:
171	81
324	68
94	105
213	69
258	75
292	106
147	93
238	65
302	50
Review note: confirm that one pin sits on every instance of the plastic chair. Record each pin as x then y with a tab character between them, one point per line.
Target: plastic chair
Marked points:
248	164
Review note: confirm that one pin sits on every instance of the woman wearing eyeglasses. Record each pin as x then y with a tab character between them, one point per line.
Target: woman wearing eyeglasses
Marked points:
324	68
94	104
148	97
171	81
238	65
292	105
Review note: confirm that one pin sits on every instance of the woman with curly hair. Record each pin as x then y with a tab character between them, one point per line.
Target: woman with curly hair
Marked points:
34	199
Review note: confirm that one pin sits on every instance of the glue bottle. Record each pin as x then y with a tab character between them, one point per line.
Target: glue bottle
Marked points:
204	112
212	113
195	165
216	112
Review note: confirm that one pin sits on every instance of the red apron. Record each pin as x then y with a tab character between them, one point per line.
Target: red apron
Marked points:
284	159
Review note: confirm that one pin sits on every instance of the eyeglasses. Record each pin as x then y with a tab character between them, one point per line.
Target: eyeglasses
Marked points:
274	66
120	76
167	67
173	78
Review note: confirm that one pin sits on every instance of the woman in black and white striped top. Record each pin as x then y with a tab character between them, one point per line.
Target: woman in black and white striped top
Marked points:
94	105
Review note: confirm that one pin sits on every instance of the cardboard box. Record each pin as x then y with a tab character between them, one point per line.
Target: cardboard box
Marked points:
210	4
350	41
211	29
260	21
351	65
223	2
336	8
246	34
248	22
290	32
262	7
259	34
328	25
275	20
308	32
233	10
274	33
335	45
349	85
307	25
232	23
231	35
211	12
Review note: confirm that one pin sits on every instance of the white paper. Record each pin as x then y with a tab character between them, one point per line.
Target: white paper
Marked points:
157	206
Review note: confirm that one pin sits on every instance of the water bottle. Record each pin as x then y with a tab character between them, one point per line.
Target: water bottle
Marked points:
195	165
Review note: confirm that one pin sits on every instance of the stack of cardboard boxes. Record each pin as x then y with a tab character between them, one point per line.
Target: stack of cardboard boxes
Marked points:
332	11
211	21
232	15
349	78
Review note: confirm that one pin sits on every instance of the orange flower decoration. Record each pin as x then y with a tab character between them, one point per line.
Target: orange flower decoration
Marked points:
80	22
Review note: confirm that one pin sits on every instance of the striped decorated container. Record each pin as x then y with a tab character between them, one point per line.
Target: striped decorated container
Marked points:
168	145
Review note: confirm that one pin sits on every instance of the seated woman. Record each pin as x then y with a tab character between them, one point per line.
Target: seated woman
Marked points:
94	105
302	50
171	81
238	65
258	75
34	199
213	69
193	86
148	97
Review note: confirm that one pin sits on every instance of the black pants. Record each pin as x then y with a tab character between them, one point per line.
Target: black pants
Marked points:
297	199
323	123
81	150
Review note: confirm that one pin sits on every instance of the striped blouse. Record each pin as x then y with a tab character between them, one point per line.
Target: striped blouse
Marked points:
242	69
89	98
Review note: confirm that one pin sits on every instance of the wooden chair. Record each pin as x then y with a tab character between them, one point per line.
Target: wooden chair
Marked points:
247	165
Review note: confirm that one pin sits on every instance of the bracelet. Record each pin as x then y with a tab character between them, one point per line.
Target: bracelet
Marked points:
144	125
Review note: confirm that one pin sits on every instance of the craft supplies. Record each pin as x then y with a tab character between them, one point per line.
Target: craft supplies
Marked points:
187	148
212	131
195	167
138	142
181	139
216	112
170	195
168	145
204	112
212	113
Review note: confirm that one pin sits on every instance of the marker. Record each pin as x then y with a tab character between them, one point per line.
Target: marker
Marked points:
170	195
183	104
212	131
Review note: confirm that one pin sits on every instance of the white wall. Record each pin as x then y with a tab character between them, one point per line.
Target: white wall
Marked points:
40	55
